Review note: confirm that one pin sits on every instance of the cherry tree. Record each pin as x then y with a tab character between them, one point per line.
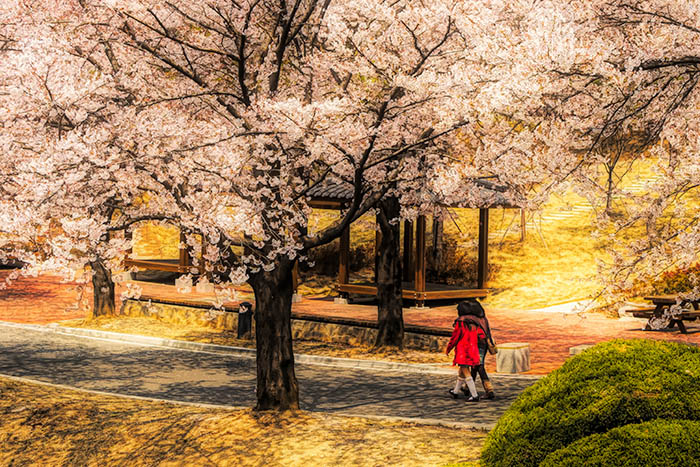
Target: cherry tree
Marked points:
66	187
220	116
618	77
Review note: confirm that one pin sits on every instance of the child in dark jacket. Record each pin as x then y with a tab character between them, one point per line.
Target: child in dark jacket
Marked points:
477	315
465	342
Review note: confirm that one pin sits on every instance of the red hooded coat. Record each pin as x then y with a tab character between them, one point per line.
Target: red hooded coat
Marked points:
464	341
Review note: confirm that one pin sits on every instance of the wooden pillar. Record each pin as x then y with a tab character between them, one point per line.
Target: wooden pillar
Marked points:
377	243
295	276
129	235
202	266
344	260
420	261
483	261
185	253
436	262
407	251
523	225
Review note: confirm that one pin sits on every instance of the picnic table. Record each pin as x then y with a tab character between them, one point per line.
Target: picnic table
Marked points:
662	303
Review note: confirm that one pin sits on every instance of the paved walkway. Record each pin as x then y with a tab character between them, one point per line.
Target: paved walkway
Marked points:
550	334
188	376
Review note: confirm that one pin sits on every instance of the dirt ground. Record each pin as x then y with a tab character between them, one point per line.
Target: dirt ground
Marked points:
156	328
45	425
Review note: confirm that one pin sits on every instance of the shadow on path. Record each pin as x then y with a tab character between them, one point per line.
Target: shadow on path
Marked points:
222	379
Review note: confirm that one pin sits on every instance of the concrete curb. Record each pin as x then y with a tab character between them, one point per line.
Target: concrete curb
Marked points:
417	421
242	352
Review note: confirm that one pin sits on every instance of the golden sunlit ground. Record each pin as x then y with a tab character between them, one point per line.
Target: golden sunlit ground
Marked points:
43	425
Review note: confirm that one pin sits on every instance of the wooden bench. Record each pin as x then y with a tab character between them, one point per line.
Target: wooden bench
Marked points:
650	312
642	312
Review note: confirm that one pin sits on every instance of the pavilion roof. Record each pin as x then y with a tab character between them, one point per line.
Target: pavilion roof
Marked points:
489	194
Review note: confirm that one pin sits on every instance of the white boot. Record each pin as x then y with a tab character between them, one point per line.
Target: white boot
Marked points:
458	386
472	390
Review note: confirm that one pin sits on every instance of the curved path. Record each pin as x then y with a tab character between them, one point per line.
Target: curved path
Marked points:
201	377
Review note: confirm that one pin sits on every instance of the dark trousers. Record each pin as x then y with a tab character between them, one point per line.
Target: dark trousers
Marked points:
481	369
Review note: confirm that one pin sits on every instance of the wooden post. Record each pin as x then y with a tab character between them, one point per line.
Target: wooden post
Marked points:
202	266
295	277
129	235
437	245
377	243
344	260
523	225
483	261
408	251
420	261
185	254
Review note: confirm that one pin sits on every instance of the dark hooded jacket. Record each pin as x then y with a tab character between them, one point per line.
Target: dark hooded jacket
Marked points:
477	316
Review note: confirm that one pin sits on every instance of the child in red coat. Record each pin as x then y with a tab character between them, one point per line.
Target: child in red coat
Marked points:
465	342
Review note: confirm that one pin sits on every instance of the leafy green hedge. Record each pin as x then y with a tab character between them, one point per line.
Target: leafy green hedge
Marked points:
610	385
659	443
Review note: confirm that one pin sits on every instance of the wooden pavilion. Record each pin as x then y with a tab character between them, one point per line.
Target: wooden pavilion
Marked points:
415	287
182	265
336	196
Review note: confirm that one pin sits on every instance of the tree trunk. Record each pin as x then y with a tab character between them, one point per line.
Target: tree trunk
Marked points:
608	197
102	290
390	309
277	387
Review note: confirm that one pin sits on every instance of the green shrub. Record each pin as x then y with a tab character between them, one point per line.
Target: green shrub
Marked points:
659	443
610	385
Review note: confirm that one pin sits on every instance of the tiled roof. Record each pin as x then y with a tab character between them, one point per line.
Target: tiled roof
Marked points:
343	191
337	191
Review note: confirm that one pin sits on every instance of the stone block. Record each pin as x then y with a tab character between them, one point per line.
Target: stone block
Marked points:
577	349
513	357
183	284
204	286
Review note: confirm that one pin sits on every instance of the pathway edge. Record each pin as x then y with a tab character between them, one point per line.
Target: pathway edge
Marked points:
350	363
419	421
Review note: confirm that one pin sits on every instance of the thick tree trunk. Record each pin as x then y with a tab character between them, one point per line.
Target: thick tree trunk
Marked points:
102	290
608	197
277	387
390	309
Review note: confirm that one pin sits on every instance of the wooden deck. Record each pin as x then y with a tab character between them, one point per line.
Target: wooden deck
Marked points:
169	265
432	291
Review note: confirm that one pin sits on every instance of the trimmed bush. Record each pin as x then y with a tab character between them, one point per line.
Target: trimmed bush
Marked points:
659	443
610	385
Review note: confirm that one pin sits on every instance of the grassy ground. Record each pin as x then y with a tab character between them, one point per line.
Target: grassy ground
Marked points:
545	269
44	425
156	328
